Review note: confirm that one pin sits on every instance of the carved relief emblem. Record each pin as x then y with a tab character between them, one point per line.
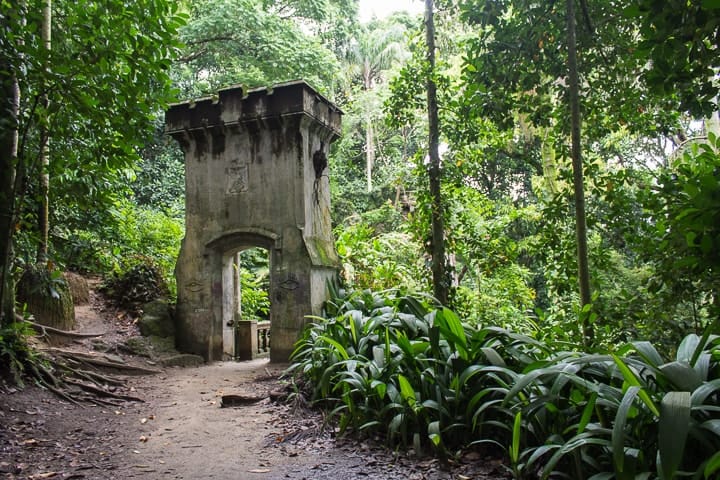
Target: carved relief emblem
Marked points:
237	180
290	283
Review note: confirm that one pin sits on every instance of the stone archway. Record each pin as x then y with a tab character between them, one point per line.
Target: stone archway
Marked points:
255	175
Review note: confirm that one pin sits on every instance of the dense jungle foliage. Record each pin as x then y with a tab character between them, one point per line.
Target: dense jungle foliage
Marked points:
625	385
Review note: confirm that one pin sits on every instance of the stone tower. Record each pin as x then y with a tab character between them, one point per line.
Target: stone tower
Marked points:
256	176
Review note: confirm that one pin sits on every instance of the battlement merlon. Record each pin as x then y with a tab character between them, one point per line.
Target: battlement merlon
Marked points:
235	105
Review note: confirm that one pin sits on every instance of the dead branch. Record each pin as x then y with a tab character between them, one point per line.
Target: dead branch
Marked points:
239	400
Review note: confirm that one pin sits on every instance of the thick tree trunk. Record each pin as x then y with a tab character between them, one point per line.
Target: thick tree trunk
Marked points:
9	104
577	163
440	282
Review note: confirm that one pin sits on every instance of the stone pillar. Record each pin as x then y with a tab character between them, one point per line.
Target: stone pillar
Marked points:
255	175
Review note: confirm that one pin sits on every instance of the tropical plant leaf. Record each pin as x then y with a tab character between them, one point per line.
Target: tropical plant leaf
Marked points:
648	352
578	441
633	381
673	431
712	466
682	375
687	348
407	391
514	451
339	348
618	432
434	433
587	413
712	426
493	357
701	393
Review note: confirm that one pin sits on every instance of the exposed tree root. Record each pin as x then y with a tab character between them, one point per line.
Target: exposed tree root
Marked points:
77	358
102	392
72	376
48	332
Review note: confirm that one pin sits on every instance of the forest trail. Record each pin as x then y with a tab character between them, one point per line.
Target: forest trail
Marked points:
181	431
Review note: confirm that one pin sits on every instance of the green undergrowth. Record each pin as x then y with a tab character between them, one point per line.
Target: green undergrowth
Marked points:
16	354
404	368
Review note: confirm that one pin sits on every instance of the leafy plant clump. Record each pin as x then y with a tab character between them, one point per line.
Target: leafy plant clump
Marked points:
402	367
139	284
15	351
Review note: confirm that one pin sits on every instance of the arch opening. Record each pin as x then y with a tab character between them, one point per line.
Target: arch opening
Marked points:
246	303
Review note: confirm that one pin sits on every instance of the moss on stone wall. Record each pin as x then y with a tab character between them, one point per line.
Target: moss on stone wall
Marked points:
48	297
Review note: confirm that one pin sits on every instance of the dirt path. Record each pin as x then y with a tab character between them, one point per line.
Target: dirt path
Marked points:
180	430
190	436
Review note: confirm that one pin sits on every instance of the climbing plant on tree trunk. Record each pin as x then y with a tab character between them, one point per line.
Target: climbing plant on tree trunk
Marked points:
578	186
9	106
440	283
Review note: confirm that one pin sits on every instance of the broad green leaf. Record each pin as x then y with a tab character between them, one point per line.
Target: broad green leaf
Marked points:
539	452
396	423
712	327
618	432
648	352
673	431
632	380
493	357
339	348
712	426
434	433
712	466
579	441
516	433
687	348
587	413
525	381
407	391
380	388
369	425
682	375
702	365
451	327
468	373
700	394
379	356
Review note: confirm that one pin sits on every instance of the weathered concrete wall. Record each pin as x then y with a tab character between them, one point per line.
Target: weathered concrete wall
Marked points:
255	175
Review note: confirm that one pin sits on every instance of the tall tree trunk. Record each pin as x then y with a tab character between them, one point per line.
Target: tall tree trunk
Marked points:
440	282
44	209
9	110
577	163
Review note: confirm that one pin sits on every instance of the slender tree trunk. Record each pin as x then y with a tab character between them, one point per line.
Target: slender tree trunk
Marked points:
44	209
440	282
369	131
577	163
369	151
